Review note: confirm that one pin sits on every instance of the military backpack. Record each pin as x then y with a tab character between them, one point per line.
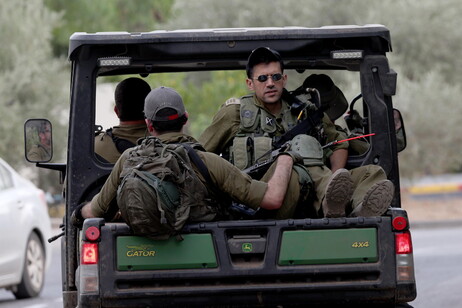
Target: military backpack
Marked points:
160	191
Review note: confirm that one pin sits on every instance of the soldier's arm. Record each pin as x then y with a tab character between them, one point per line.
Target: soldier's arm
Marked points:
104	200
86	211
339	156
243	189
224	127
277	185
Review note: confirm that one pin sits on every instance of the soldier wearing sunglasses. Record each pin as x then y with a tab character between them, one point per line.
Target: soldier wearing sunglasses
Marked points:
245	129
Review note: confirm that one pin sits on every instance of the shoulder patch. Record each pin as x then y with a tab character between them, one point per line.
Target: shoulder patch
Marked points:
232	101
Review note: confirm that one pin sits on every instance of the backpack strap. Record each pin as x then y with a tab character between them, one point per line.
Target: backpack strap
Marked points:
120	143
197	161
239	209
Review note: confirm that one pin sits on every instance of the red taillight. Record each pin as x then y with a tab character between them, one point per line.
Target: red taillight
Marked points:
403	243
399	223
89	253
92	233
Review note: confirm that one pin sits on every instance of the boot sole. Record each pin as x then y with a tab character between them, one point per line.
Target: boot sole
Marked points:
377	200
338	194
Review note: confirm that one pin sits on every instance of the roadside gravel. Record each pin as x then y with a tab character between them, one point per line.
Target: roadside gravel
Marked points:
442	208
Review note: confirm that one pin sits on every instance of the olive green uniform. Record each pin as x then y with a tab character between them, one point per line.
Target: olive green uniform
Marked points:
38	153
226	125
105	147
226	177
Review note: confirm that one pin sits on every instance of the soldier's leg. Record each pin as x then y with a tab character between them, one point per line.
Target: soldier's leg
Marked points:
320	176
373	191
333	191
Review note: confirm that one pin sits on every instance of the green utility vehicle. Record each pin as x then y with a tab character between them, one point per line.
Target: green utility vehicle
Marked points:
349	262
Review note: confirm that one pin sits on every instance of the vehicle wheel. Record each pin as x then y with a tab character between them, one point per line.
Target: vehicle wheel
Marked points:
34	269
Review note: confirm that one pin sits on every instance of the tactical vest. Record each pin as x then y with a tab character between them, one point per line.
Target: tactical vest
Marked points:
258	131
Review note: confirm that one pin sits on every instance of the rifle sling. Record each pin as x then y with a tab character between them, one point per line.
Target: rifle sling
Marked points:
301	128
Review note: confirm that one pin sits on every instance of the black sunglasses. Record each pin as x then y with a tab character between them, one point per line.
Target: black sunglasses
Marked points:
264	78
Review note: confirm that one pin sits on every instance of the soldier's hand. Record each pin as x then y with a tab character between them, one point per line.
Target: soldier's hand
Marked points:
76	216
297	158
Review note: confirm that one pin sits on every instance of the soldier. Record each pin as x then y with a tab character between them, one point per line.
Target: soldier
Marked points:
129	98
259	120
42	150
165	117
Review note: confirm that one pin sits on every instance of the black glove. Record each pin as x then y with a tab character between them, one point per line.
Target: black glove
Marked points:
76	216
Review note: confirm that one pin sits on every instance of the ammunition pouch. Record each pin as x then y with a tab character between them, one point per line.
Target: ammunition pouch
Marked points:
247	149
262	148
241	152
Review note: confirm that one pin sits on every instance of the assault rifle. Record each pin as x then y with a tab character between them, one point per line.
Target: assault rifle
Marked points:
260	167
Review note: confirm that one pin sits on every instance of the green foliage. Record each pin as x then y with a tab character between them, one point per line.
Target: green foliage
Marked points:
432	115
204	101
202	93
426	41
32	82
425	35
32	135
106	15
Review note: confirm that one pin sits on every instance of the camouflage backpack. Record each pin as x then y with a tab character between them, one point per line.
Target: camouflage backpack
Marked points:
160	191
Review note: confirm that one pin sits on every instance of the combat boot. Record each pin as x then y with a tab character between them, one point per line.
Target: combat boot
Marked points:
376	201
338	194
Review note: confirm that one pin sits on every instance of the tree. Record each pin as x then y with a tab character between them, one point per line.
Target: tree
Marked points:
32	82
421	53
105	15
425	57
432	115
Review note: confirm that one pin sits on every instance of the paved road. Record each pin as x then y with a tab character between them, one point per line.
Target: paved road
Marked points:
437	258
438	264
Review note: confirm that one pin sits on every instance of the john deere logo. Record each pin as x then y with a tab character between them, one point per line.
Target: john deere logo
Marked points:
141	251
247	247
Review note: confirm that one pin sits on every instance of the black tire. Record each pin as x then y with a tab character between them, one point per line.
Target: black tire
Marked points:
33	275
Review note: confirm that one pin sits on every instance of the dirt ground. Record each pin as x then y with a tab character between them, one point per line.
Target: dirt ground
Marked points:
432	209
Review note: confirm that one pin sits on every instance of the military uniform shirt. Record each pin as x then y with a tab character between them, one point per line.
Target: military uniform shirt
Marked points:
227	178
226	123
38	153
105	147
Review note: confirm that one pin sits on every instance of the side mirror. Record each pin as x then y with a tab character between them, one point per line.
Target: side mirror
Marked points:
399	129
38	140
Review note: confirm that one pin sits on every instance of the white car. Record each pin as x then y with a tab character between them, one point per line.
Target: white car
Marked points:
24	229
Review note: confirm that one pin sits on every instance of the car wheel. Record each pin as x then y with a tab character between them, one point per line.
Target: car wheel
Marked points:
34	269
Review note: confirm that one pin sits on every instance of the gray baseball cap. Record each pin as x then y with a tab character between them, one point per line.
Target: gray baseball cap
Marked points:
160	98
